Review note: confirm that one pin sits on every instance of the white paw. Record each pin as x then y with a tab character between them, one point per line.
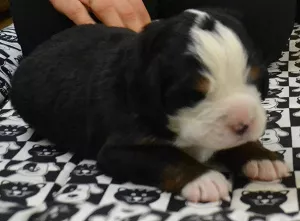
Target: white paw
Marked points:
211	186
266	170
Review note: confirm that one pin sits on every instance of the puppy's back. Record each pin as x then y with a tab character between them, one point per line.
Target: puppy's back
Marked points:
51	89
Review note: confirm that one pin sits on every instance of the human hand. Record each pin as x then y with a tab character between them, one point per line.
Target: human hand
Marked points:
131	14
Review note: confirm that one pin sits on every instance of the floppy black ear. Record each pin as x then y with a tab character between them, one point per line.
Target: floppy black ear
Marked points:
259	76
145	82
152	39
262	79
264	83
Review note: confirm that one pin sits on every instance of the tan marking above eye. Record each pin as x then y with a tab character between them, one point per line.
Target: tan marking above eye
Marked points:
203	85
254	73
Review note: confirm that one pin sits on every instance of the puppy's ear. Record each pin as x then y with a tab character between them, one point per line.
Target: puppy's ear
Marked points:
145	83
152	38
262	82
145	91
265	84
259	74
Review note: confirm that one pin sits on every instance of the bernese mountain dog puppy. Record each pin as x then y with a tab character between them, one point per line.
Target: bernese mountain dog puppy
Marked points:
154	107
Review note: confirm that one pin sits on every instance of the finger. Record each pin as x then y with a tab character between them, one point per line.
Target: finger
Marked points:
106	12
85	2
141	11
128	15
74	10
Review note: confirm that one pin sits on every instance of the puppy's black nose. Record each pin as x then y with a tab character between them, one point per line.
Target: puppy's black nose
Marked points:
240	129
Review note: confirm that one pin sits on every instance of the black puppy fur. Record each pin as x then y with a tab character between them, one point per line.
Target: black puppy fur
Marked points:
106	92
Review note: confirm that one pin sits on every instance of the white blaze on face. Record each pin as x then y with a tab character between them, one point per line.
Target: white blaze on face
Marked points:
231	114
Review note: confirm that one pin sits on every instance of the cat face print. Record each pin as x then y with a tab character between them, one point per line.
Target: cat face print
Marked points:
137	196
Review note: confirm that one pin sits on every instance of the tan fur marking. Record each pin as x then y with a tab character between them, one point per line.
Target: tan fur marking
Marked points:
254	73
203	85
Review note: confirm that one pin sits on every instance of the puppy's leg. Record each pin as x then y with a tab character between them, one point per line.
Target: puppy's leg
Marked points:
164	166
254	161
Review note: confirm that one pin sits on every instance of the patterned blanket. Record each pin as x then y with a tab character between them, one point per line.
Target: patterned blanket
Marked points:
10	56
40	183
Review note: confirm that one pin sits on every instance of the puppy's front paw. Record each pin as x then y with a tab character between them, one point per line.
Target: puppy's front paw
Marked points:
211	186
266	170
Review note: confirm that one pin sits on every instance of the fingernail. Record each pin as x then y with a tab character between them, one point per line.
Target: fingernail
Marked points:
226	198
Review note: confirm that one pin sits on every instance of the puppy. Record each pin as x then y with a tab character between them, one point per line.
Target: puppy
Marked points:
153	107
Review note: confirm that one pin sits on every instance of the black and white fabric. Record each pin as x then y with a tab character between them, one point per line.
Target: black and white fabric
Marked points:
10	56
40	183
